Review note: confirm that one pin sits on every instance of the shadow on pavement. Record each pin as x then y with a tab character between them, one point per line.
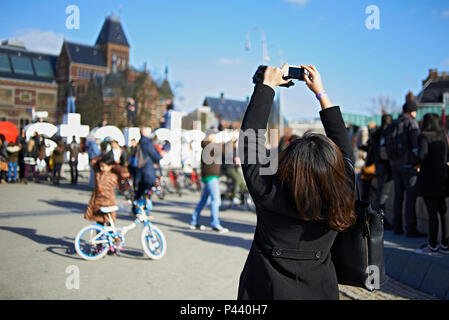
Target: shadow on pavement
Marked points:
67	204
60	246
132	253
225	239
205	220
67	185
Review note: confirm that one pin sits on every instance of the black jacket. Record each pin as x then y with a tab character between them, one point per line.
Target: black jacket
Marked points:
289	257
433	154
147	174
409	157
71	92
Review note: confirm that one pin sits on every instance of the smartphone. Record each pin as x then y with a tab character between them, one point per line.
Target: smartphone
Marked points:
295	72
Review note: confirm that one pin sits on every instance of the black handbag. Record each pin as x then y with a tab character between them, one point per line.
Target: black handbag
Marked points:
357	253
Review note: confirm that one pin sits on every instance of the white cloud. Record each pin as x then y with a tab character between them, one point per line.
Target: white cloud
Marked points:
229	61
301	2
445	13
40	41
445	63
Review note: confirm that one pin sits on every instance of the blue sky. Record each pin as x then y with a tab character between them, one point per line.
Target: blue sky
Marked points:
204	43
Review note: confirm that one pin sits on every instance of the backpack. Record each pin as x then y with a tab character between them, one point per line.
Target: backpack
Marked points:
141	159
393	142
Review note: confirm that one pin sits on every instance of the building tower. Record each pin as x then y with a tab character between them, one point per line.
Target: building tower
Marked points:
114	44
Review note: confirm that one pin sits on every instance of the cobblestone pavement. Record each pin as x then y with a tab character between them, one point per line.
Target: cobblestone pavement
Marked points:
391	290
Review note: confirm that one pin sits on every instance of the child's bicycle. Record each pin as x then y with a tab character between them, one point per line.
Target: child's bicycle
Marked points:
94	241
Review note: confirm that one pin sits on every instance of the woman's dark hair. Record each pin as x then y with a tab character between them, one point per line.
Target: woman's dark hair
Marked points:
313	170
2	138
107	158
431	125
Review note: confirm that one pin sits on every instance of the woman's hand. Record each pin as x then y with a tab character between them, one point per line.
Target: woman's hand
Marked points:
273	76
313	80
314	83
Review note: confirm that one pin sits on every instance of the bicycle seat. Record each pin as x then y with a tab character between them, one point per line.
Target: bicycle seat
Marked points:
109	209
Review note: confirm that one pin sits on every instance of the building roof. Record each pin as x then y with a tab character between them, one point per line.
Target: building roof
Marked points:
434	90
115	81
165	91
234	110
112	32
80	53
20	64
226	109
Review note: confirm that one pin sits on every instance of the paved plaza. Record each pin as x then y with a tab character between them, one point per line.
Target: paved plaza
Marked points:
38	224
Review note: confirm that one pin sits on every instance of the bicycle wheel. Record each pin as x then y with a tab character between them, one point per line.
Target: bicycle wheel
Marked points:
167	185
160	193
91	243
153	242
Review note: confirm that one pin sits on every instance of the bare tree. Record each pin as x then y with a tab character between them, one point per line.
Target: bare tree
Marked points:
383	104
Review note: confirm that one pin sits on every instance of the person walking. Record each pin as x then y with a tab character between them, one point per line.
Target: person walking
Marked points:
58	161
41	165
432	182
74	150
210	174
29	158
403	170
93	151
302	206
13	161
119	155
147	157
3	160
232	171
23	144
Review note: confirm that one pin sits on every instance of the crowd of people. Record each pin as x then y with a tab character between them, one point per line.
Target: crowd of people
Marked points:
409	159
301	208
23	159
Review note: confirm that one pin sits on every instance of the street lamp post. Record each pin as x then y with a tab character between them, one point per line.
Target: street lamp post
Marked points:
265	57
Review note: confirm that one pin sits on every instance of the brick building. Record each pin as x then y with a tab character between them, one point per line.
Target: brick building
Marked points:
229	112
27	80
107	63
435	91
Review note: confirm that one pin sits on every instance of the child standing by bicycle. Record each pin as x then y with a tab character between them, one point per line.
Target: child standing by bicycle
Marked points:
108	175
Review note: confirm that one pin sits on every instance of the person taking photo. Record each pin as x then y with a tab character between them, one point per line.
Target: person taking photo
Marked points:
302	206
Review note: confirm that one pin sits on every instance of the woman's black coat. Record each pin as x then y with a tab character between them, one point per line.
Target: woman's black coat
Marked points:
289	257
433	155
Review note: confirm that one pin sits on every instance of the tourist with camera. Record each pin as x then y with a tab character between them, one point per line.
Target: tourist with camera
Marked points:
301	207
